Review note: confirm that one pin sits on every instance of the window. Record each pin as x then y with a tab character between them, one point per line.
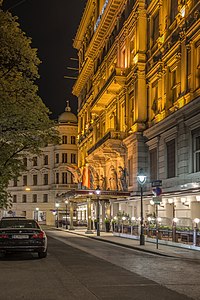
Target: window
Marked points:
23	198
35	161
196	150
46	159
34	199
25	161
64	139
197	75
73	140
174	85
73	158
155	29
57	158
14	198
34	179
15	182
64	177
45	198
57	178
173	10
45	179
64	157
171	161
153	164
154	106
24	178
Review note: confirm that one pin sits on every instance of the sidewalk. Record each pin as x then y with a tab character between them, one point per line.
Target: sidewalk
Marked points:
163	250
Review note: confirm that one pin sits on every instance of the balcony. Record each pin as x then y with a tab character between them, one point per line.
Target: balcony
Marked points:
111	138
110	89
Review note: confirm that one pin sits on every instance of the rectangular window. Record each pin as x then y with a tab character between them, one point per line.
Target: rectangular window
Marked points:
45	198
174	85
57	178
64	157
24	198
196	150
155	31
64	139
34	199
25	161
173	10
46	160
35	161
171	159
34	179
153	164
24	180
57	158
64	177
15	182
73	158
45	179
73	140
14	198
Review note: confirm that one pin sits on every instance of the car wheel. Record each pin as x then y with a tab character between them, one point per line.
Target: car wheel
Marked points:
42	254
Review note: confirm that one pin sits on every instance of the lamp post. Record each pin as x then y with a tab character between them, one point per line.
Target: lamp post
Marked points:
57	206
66	202
141	178
37	211
196	222
98	211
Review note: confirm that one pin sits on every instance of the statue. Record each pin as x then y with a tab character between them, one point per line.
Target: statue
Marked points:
113	179
122	180
102	182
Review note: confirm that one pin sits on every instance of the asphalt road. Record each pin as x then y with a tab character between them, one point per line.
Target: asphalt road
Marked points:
80	268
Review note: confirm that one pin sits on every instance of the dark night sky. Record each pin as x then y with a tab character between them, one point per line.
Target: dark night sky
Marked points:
52	25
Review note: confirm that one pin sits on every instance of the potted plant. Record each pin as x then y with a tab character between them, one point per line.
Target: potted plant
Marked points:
107	224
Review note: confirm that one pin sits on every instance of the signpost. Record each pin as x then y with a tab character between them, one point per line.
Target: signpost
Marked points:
157	199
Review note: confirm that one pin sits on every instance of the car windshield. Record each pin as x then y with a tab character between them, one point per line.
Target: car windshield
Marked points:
18	224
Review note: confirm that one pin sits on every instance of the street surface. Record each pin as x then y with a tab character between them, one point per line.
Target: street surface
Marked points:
81	268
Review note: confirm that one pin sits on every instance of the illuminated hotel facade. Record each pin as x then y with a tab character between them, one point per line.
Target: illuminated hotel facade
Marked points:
138	93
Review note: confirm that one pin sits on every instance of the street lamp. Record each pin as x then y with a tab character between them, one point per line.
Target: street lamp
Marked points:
141	178
57	206
66	202
196	222
98	192
37	211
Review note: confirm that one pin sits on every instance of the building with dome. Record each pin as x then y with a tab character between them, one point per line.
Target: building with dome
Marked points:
35	193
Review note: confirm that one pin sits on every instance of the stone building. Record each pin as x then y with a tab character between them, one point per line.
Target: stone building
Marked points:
138	93
34	194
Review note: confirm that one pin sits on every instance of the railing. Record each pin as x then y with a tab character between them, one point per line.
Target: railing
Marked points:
191	237
117	135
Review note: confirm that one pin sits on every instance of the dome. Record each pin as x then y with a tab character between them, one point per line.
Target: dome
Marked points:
67	116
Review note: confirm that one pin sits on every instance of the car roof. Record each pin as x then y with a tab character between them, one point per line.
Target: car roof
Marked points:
13	218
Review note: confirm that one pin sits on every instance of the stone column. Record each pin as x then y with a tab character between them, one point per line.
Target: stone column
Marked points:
88	216
103	214
71	212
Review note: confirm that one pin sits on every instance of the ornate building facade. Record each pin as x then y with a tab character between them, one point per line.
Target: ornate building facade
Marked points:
138	93
34	194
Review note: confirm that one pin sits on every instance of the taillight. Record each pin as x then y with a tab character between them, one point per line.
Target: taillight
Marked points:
39	235
3	236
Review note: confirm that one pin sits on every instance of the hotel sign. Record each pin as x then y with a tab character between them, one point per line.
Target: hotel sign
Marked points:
101	14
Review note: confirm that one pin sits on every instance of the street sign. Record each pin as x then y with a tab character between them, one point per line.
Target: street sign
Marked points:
157	199
156	183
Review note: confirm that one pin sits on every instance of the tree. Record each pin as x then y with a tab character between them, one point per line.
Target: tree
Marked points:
25	126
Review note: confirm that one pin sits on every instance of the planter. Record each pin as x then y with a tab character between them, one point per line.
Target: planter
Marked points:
107	225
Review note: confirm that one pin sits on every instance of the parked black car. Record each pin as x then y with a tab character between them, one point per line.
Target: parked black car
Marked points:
22	235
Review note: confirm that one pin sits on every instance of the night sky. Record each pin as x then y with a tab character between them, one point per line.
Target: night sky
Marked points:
52	25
